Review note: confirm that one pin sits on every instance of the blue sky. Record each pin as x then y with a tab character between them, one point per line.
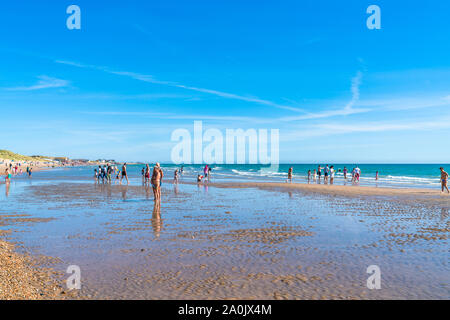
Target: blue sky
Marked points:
138	70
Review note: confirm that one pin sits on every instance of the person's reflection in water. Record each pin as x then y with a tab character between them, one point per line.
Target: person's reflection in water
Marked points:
175	188
156	219
147	192
124	192
444	213
7	189
206	188
290	193
108	191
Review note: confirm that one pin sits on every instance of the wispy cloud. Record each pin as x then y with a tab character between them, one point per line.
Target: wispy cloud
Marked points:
347	110
406	103
172	116
330	129
44	82
151	79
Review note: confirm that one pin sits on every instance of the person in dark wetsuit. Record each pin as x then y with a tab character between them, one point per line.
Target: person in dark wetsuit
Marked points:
124	173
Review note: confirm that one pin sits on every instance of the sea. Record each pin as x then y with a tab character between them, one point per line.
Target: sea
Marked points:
389	175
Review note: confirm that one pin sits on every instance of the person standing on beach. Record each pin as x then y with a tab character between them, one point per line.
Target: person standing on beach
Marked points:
124	173
326	171
309	176
315	175
30	171
289	179
175	176
319	172
7	176
147	174
357	173
109	172
376	176
205	171
156	181
332	171
444	179
345	173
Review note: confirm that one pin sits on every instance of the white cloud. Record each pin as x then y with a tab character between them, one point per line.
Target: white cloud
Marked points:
44	82
151	79
347	110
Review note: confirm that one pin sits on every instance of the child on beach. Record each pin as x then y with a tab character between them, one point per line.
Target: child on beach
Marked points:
199	178
7	176
444	178
376	175
315	175
345	173
309	176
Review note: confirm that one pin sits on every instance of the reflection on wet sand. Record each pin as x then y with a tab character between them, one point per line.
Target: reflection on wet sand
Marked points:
156	219
147	192
124	190
444	213
7	189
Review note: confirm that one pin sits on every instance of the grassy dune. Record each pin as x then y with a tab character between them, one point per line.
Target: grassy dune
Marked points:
6	154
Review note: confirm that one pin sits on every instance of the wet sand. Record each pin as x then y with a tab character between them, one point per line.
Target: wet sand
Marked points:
341	190
236	241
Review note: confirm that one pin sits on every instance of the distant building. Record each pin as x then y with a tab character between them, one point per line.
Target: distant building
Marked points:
61	159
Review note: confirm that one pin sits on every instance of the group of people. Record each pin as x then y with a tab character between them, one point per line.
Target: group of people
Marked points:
103	174
206	174
16	170
329	173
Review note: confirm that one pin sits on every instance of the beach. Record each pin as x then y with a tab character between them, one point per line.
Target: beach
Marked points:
230	240
21	277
